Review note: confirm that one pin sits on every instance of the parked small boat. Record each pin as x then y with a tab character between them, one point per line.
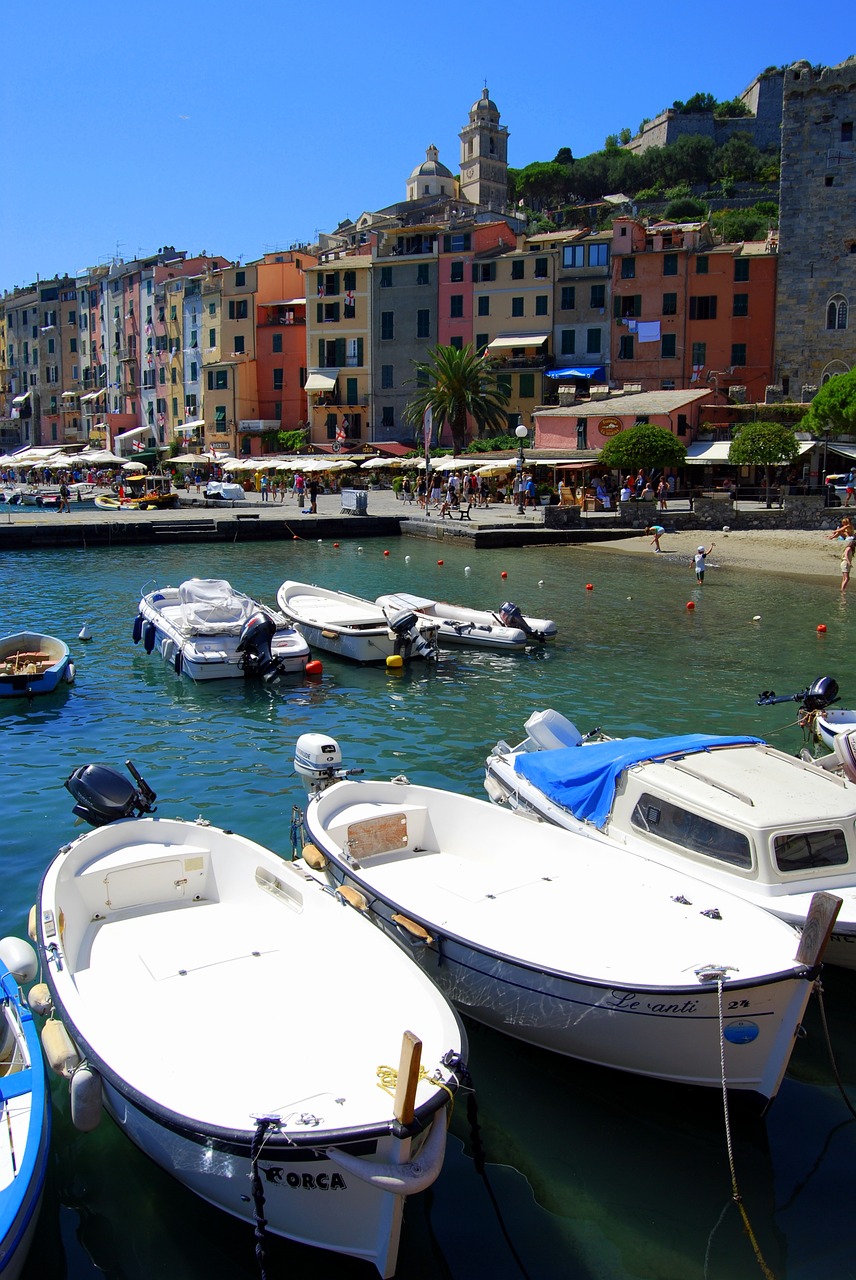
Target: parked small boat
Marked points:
25	1114
142	492
209	631
571	945
236	1020
355	628
32	662
735	813
506	630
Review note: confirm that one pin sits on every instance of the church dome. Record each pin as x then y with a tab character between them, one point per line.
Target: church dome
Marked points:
485	108
430	166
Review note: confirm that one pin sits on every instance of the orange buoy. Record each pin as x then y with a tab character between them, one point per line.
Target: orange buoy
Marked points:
335	544
503	574
691	604
386	553
589	586
314	668
821	628
439	561
295	537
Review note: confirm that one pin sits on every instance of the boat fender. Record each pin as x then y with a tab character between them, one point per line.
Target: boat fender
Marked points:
400	1179
69	674
138	628
86	1100
167	649
353	897
40	1000
417	933
149	634
62	1057
314	858
19	959
178	661
32	921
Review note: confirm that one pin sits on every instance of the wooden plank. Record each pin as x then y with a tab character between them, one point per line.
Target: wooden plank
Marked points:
377	835
822	914
408	1078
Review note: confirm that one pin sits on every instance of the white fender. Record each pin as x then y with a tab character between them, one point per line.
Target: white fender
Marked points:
86	1099
400	1179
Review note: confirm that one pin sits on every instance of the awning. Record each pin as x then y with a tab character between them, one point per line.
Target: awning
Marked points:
505	340
705	452
283	302
68	395
321	380
189	426
93	395
135	431
845	450
595	373
21	399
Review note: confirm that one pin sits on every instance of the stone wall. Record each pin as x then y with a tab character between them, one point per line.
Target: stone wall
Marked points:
800	511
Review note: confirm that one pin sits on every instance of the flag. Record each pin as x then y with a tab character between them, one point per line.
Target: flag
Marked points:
349	297
340	429
427	426
320	288
697	368
138	446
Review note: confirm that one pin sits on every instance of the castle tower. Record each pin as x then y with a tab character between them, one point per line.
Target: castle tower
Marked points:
430	178
484	157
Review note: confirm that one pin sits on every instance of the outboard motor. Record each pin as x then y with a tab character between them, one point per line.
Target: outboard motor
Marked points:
105	795
820	694
409	637
318	761
510	616
255	645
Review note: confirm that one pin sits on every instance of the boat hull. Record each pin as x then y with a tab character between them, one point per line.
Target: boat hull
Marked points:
472	628
22	678
353	628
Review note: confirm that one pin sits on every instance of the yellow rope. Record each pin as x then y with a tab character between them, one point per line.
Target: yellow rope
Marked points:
388	1079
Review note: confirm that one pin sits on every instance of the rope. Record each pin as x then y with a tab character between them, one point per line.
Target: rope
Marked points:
388	1079
260	1221
296	832
735	1190
819	990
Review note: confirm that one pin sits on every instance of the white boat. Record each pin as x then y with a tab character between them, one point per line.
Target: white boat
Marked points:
737	814
25	1113
32	662
210	631
830	724
506	630
570	945
355	628
237	1020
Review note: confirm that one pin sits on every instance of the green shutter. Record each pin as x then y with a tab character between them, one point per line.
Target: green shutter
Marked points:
322	364
616	306
351	394
335	288
359	351
637	305
340	352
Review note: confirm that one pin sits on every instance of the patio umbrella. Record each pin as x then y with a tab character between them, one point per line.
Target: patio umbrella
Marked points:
134	466
451	464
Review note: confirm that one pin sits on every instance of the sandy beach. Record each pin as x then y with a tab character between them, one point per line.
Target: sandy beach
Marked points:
792	551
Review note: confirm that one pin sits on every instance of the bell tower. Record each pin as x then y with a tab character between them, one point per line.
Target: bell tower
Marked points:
484	157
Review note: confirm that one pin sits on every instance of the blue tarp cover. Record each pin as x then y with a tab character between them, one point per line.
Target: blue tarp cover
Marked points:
578	371
583	779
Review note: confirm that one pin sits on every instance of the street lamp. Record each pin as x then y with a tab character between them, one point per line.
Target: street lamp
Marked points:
522	433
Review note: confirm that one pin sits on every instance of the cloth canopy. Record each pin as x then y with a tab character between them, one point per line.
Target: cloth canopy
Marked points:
594	374
321	380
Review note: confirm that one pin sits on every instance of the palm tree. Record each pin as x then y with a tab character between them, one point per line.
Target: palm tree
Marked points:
453	384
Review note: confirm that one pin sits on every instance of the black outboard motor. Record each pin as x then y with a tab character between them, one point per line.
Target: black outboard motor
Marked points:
255	645
105	795
510	616
404	625
820	694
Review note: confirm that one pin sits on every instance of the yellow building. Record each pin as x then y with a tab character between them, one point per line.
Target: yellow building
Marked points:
338	342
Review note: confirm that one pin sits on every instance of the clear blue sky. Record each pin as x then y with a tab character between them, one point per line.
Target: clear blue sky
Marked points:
243	127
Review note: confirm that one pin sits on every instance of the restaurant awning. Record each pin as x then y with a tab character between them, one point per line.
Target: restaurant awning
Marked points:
135	431
321	380
705	452
595	373
181	427
505	340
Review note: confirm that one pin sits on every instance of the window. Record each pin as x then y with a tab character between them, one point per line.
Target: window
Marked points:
352	391
541	305
582	433
741	269
240	279
593	338
456	306
741	304
703	308
349	281
387	416
276	343
668	346
483	304
194	371
628	268
277	380
670	304
518	268
699	355
218	379
484	271
527	386
162	375
836	313
738	354
573	255
423	324
541	268
598	255
628	306
503	384
72	345
51	346
670	264
459	243
567	298
810	850
353	353
678	826
517	306
238	309
327	313
212	309
457	342
212	338
847	131
567	342
387	325
387	376
238	347
625	347
482	339
457	272
423	273
173	313
597	299
701	264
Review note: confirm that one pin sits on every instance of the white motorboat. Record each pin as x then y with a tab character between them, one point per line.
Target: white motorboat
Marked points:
32	662
830	724
735	813
236	1020
209	631
570	945
506	630
355	628
25	1111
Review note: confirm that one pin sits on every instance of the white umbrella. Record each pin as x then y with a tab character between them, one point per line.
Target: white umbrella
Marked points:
451	463
134	466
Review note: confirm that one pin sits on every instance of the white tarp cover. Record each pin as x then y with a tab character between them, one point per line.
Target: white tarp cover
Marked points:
212	607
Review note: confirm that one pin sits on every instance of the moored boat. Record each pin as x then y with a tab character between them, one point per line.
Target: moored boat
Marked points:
736	813
574	946
163	941
355	628
209	631
506	630
32	662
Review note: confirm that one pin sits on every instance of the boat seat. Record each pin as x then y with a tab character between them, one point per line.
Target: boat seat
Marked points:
550	730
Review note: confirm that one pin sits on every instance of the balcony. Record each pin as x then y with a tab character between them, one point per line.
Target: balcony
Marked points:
542	361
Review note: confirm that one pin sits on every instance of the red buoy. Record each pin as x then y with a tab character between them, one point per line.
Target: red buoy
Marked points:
314	668
589	586
439	561
386	553
335	544
503	574
691	604
821	628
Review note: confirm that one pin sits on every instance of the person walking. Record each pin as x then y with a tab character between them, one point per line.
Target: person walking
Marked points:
850	484
663	492
699	561
64	495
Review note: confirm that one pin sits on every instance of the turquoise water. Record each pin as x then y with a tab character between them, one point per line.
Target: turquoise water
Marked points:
597	1175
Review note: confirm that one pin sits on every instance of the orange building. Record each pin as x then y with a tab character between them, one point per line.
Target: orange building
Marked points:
281	340
689	312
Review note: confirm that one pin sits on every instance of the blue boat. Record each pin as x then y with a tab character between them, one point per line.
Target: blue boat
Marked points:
31	662
25	1118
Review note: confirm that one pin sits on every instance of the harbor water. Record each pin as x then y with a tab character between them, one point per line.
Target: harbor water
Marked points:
592	1174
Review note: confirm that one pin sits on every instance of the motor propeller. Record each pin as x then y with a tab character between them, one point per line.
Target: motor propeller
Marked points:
819	695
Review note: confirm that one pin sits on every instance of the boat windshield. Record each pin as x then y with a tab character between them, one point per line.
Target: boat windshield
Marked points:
660	817
810	850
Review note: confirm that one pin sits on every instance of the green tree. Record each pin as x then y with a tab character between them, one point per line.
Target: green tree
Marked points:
644	445
292	441
542	182
685	210
833	409
763	444
738	158
456	384
698	103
